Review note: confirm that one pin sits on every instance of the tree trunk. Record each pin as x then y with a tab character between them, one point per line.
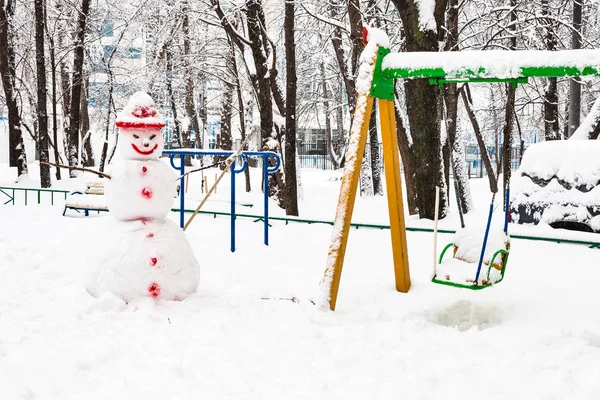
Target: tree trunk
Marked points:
171	96
465	93
342	62
422	103
575	83
202	116
241	113
291	185
85	125
408	162
375	157
263	91
508	138
17	154
76	83
111	85
356	24
54	108
457	155
189	81
551	128
190	106
326	106
510	111
42	92
225	141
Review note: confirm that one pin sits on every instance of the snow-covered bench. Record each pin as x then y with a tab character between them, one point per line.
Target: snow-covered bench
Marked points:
92	199
558	184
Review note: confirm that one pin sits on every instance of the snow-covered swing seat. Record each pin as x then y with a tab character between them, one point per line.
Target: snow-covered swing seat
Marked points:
477	261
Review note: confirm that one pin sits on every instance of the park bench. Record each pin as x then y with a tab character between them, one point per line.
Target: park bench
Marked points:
92	199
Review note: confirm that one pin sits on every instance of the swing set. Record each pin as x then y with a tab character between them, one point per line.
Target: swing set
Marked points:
377	73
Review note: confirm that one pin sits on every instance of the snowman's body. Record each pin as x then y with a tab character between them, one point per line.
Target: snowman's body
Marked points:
148	255
140	189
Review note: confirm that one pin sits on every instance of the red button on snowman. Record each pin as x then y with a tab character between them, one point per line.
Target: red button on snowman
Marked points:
149	255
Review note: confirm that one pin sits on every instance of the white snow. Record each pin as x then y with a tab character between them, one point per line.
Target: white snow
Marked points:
534	336
574	162
559	181
491	63
426	15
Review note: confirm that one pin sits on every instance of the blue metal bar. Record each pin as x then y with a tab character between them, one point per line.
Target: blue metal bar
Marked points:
181	169
232	216
507	210
485	238
266	170
266	197
235	171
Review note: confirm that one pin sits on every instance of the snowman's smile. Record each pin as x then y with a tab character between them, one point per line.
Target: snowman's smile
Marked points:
145	153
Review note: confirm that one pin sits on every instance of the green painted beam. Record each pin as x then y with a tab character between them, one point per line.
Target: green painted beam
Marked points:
492	66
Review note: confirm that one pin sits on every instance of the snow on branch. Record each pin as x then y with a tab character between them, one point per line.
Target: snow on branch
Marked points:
326	20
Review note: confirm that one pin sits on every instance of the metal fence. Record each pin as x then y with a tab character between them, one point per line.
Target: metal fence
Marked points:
316	155
26	196
475	164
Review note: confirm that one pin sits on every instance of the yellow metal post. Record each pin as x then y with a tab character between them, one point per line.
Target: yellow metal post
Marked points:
343	216
393	183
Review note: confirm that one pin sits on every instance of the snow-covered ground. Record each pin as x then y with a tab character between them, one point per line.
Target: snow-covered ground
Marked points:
534	336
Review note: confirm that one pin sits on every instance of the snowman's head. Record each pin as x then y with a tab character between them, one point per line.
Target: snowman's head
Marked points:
140	129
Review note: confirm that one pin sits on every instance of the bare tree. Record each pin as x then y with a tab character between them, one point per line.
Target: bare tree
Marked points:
42	92
17	155
76	86
421	101
291	185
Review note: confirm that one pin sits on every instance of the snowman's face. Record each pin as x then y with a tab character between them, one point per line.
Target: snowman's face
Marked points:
141	144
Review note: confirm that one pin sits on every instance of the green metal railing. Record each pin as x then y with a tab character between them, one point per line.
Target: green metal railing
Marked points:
13	190
39	196
378	226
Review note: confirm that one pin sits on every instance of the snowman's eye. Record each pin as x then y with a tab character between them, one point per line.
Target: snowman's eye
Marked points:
152	137
136	136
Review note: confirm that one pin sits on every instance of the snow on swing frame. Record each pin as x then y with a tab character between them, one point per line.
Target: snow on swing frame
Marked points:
462	262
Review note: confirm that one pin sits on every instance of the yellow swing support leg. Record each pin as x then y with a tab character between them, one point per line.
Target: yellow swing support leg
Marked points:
343	216
393	183
341	228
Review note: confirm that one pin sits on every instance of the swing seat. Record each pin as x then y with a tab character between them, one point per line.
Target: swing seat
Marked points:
461	270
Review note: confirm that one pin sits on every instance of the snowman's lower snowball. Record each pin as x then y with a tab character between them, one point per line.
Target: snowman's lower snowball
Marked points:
146	260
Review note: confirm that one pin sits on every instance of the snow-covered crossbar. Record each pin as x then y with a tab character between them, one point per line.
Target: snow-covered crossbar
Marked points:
498	64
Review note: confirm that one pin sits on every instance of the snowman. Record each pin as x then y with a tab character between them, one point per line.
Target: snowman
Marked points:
148	255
